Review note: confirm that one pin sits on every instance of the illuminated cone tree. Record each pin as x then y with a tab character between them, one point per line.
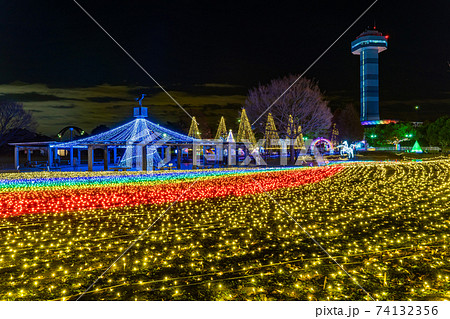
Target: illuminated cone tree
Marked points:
299	142
292	133
230	137
270	133
245	130
193	130
334	135
290	130
416	148
221	130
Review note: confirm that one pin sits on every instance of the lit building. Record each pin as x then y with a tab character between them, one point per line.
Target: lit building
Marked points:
367	45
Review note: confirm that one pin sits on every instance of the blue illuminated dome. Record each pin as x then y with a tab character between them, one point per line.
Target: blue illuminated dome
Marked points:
137	131
131	137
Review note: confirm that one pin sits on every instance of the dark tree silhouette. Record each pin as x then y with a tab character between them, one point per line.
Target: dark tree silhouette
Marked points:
14	119
438	132
394	133
348	124
100	129
303	101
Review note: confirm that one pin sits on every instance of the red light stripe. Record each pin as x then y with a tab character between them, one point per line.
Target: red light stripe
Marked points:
72	199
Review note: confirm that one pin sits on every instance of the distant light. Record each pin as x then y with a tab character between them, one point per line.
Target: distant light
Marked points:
416	107
386	36
378	122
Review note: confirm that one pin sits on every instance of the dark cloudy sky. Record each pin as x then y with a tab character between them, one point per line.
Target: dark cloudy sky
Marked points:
208	54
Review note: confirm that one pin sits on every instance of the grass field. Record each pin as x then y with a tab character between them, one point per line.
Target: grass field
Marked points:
241	237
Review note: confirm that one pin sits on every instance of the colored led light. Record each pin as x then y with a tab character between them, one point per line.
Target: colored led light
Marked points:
385	223
107	192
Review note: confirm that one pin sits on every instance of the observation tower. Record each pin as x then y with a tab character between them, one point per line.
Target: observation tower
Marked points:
368	45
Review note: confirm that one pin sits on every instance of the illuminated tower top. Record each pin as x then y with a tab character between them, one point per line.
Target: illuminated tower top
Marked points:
368	45
373	39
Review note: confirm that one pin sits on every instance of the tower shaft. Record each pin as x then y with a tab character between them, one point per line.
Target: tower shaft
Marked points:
368	45
369	90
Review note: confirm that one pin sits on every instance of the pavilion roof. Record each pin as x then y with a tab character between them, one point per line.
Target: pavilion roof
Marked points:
138	131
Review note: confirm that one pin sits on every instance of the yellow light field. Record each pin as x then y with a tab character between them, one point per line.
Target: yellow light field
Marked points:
387	224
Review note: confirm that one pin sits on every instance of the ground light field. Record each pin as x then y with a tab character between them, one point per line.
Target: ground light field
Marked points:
227	238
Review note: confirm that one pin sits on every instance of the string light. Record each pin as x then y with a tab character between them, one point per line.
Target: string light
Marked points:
84	193
387	223
138	131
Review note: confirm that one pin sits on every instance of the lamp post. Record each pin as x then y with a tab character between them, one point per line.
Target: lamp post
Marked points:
372	137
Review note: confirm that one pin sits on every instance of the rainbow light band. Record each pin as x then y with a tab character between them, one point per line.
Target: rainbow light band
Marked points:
104	180
103	193
378	122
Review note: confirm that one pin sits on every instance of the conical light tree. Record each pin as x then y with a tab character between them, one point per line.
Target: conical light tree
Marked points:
416	148
230	137
334	135
290	130
221	130
297	133
193	130
270	133
299	142
245	130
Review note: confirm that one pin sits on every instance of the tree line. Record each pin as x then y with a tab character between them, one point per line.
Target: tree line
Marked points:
285	98
435	133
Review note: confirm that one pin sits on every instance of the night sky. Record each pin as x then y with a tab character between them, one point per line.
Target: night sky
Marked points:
61	66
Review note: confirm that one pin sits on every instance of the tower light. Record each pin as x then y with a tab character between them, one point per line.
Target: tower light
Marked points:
368	45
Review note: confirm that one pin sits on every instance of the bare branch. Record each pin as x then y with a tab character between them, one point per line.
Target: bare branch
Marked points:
303	101
14	117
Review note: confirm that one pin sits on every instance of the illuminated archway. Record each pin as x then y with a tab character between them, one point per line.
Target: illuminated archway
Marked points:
72	130
320	140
